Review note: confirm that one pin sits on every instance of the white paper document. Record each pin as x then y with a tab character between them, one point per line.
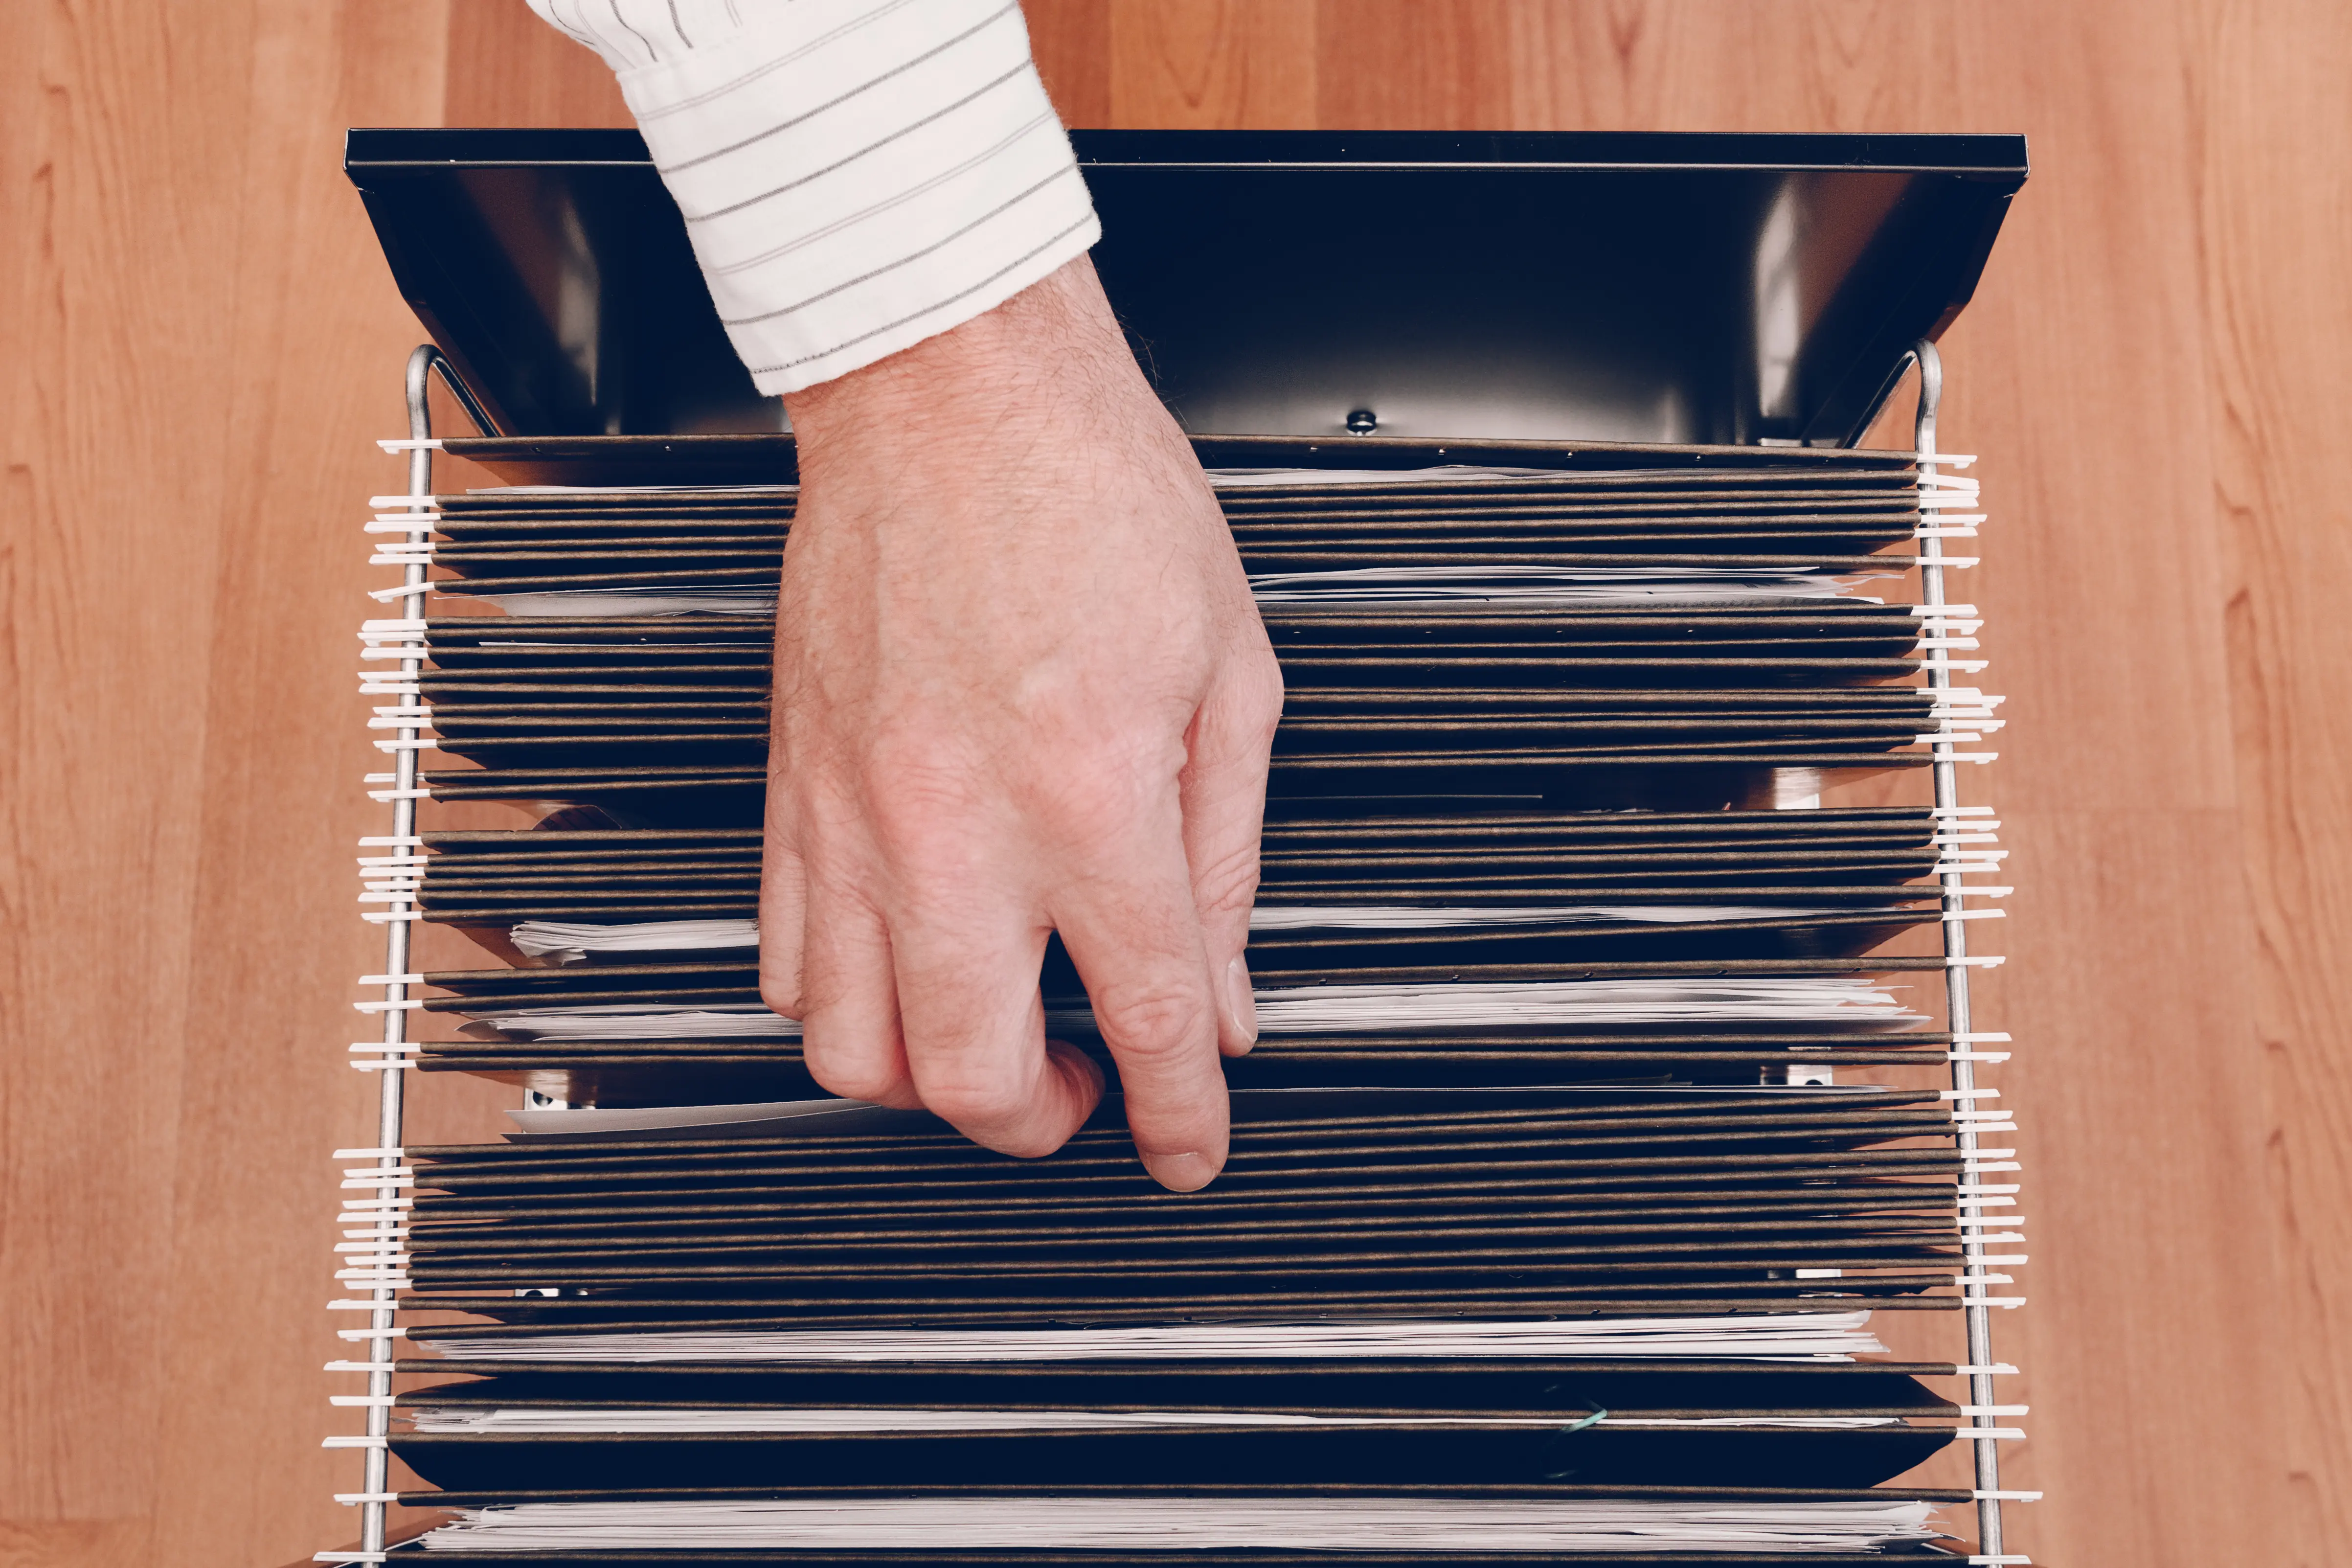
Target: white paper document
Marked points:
1320	1009
1838	1336
1187	1523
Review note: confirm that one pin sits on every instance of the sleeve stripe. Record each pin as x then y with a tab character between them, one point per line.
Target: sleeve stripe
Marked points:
697	99
941	244
1009	8
901	199
854	175
592	39
907	128
930	309
652	56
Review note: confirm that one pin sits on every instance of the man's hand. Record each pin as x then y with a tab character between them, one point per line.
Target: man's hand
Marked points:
1021	688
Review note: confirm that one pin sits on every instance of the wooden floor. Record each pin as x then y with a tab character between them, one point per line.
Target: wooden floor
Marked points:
200	340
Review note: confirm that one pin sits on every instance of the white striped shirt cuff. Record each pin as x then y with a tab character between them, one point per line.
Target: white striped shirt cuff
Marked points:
857	175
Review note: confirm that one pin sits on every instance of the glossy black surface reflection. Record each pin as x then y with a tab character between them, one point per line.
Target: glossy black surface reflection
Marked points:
1629	287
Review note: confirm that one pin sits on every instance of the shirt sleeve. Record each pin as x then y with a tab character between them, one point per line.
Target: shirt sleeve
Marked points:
857	175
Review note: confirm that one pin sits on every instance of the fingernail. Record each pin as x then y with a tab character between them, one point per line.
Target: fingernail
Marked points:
1240	1003
1185	1173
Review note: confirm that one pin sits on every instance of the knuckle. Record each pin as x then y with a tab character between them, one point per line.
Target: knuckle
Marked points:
853	1075
1226	883
779	987
1262	689
1095	804
782	870
1240	717
1155	1024
914	796
815	816
1099	793
969	1098
1022	1145
854	1052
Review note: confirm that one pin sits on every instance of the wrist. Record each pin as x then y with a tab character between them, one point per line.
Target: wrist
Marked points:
1052	352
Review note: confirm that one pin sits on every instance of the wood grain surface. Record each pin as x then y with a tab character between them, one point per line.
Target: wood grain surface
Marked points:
201	341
